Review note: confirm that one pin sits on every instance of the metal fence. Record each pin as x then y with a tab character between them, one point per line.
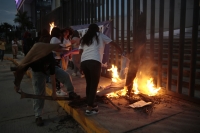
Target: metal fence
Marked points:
176	57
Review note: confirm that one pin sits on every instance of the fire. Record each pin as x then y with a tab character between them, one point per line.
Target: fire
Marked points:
135	86
152	90
144	85
51	27
115	75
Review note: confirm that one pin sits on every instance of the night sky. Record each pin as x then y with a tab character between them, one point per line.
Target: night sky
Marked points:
7	11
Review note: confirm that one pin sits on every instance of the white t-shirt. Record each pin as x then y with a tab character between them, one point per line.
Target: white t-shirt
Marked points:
55	40
95	51
14	43
66	43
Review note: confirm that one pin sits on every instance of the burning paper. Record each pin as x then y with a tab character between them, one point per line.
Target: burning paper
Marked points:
139	104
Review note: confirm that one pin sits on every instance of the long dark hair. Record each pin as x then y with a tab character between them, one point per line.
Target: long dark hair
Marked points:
56	32
87	39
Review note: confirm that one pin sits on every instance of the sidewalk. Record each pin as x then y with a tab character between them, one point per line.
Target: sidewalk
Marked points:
168	116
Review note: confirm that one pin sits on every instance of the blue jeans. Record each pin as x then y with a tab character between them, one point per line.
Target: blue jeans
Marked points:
39	83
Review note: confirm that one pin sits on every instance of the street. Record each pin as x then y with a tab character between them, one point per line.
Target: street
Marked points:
17	116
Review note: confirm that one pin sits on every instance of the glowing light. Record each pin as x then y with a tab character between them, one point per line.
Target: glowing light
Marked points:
152	90
135	86
115	75
51	27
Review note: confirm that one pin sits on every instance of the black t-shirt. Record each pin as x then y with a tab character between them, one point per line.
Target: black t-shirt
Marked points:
44	64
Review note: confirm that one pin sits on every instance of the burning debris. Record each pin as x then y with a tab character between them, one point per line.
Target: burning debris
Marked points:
144	94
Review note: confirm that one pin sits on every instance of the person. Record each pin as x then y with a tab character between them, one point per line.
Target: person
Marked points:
2	48
41	67
66	32
76	57
91	49
56	38
14	48
27	42
45	38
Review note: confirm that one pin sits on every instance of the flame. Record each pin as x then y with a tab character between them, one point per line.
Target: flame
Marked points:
115	75
51	27
135	86
152	90
144	85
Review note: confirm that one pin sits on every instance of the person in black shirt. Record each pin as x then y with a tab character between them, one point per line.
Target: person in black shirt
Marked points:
40	69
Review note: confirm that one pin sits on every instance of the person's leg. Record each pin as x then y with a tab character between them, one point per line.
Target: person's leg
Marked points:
76	61
1	54
65	78
95	72
87	78
38	81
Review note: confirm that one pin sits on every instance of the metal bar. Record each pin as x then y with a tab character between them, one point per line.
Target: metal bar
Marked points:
112	32
170	48
70	14
95	10
75	12
86	11
128	25
117	32
122	25
107	10
83	12
161	28
92	11
181	46
152	29
194	48
134	23
145	12
89	11
99	11
103	10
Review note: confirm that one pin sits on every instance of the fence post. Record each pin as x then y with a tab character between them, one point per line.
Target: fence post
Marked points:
160	47
181	46
194	48
170	48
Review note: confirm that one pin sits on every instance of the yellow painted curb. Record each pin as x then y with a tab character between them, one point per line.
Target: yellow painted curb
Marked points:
88	124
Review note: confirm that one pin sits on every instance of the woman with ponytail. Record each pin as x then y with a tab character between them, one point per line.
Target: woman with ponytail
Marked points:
91	49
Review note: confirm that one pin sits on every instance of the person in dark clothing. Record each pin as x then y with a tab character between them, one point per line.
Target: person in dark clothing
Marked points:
46	66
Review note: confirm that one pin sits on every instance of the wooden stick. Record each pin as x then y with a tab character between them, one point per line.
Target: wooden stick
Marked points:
118	108
26	95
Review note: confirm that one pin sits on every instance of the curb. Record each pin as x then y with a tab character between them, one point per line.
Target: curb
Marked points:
88	123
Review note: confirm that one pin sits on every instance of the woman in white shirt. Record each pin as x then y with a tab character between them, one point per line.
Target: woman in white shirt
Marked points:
66	43
56	38
91	50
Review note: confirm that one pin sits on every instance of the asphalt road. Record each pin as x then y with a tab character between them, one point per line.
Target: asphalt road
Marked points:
17	116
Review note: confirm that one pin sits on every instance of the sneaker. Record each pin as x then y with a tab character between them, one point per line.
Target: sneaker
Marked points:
61	93
73	95
39	121
74	74
91	110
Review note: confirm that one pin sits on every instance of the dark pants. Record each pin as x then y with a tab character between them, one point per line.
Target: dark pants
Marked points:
57	81
92	72
1	54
